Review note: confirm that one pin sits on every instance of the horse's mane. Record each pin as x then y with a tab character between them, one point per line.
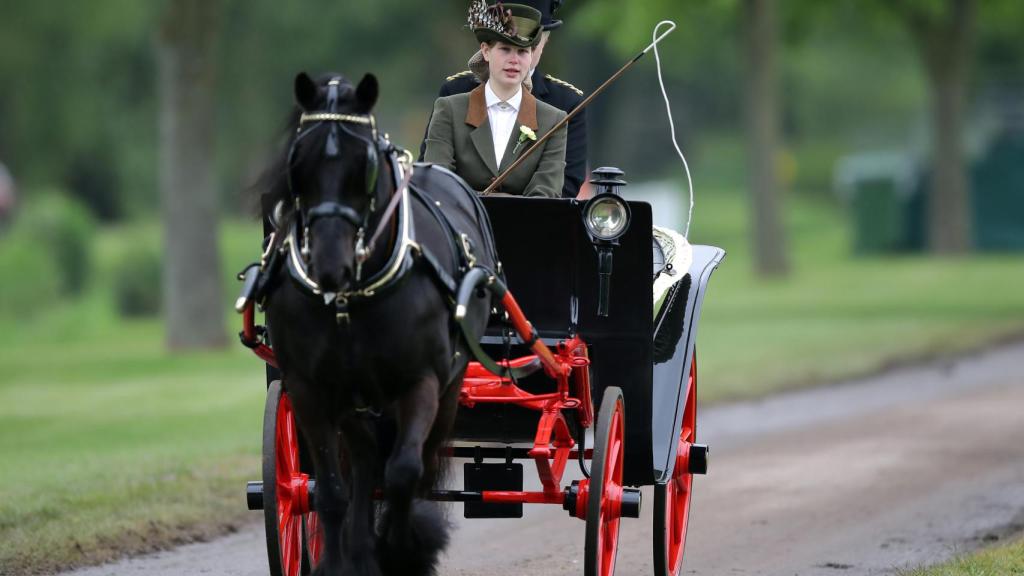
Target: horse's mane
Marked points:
272	185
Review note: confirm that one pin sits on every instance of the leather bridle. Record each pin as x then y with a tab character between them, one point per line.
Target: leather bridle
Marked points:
375	146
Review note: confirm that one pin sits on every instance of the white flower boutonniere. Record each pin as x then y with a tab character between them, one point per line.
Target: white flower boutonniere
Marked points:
525	133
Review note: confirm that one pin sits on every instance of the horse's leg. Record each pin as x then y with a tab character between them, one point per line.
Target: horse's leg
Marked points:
434	470
359	542
324	441
413	533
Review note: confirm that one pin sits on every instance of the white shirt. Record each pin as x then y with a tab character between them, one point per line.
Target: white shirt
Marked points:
502	115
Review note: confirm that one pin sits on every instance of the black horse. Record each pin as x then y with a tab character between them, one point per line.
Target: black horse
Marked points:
360	313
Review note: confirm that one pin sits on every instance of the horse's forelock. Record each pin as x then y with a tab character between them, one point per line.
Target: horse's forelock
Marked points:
273	183
346	89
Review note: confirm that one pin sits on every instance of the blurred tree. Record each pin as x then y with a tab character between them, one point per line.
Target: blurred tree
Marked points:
768	237
1001	49
701	67
76	110
266	43
187	81
627	26
943	32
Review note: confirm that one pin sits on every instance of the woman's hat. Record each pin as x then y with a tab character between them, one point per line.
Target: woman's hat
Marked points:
547	9
514	24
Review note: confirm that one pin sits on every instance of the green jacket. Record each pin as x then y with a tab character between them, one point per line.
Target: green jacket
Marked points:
459	138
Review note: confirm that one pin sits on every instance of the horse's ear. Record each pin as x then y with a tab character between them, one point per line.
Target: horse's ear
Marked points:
366	93
306	91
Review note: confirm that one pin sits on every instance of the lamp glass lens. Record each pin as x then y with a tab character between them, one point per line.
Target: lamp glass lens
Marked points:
606	218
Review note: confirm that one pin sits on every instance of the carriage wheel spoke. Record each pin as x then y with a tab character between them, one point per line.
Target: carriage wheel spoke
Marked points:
604	500
672	499
281	489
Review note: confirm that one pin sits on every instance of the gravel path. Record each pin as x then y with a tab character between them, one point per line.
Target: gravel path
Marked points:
866	477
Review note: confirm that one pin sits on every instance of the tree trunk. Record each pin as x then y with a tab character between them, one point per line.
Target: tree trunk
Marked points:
946	47
949	209
192	285
769	242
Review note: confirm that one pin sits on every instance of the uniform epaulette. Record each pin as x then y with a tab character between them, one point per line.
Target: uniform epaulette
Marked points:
462	74
564	83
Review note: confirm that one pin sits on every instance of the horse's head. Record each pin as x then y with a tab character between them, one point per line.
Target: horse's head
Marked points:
334	166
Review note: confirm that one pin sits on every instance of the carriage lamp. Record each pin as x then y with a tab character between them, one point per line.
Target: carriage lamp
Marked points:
606	217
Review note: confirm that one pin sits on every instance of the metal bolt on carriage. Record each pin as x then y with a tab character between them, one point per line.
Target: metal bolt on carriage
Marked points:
580	347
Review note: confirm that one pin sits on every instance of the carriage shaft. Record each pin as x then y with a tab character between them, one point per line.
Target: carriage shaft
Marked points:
529	335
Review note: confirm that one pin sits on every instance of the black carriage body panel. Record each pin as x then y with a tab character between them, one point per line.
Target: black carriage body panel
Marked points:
550	265
672	366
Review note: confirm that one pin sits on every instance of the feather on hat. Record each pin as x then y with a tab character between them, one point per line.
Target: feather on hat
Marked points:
514	24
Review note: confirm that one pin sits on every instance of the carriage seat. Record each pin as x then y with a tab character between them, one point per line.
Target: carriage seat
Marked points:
673	256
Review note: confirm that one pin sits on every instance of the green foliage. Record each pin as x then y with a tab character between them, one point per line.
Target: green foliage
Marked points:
137	282
627	26
63	230
47	255
80	103
30	281
80	91
1001	56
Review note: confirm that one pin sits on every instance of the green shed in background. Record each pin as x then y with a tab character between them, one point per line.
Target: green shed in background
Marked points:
997	193
887	196
878	189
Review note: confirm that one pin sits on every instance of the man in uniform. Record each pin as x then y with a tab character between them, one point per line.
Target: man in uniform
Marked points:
547	88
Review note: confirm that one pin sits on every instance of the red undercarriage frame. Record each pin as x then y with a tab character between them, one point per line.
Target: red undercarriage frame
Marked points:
568	365
553	444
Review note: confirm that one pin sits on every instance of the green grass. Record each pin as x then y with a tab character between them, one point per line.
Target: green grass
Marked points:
109	444
1000	561
836	316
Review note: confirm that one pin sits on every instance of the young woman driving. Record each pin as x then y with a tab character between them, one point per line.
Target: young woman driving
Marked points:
479	134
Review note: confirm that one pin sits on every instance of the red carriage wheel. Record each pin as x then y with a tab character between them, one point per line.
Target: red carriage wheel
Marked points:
604	500
312	540
285	496
672	499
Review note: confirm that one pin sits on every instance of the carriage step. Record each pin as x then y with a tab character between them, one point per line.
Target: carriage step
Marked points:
699	458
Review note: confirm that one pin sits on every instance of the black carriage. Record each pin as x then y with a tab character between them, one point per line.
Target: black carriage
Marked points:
593	354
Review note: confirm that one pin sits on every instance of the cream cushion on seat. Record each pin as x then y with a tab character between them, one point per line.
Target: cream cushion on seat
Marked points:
679	254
